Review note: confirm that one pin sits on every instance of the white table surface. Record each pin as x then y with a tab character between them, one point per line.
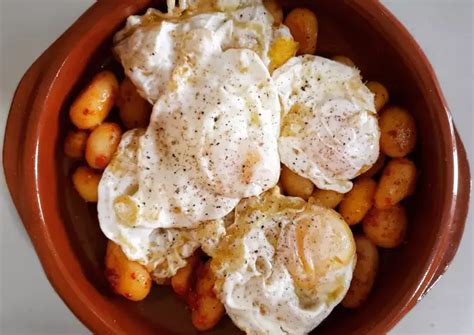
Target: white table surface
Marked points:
444	28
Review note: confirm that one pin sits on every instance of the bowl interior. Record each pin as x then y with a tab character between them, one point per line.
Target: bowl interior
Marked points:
344	29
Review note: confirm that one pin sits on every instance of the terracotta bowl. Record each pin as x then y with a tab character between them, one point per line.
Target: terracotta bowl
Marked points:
65	231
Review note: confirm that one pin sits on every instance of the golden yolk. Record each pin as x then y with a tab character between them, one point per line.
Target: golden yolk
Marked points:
282	49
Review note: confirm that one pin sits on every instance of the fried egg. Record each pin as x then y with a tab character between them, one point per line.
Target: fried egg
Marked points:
212	140
329	131
283	265
150	46
162	251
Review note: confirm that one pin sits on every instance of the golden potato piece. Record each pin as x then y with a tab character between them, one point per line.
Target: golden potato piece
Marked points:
378	165
183	279
303	26
134	111
86	182
294	185
386	227
344	60
207	309
75	143
102	144
274	7
364	273
127	278
326	198
396	183
94	103
358	201
280	51
380	92
397	132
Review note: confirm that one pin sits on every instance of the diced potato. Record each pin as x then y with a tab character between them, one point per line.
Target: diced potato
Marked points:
294	185
134	111
344	60
75	143
102	144
183	279
86	182
386	227
326	198
358	201
207	309
127	278
303	26
380	92
364	274
94	103
397	132
396	183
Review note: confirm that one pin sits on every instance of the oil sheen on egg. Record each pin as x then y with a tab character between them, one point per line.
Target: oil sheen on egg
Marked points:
329	131
283	265
150	46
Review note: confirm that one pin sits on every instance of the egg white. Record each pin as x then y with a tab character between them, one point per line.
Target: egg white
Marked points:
329	130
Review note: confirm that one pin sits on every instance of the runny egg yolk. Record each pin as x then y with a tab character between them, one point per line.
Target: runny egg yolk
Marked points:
316	248
251	159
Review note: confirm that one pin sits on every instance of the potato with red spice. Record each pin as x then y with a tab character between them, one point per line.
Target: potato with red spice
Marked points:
294	185
397	132
206	310
358	201
102	144
303	25
364	274
94	103
75	143
326	198
134	111
127	278
386	227
396	183
183	279
86	182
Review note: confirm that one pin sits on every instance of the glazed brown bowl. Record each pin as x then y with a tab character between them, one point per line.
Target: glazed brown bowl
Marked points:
65	230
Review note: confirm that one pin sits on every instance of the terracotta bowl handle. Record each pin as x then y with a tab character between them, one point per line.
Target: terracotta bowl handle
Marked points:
18	119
